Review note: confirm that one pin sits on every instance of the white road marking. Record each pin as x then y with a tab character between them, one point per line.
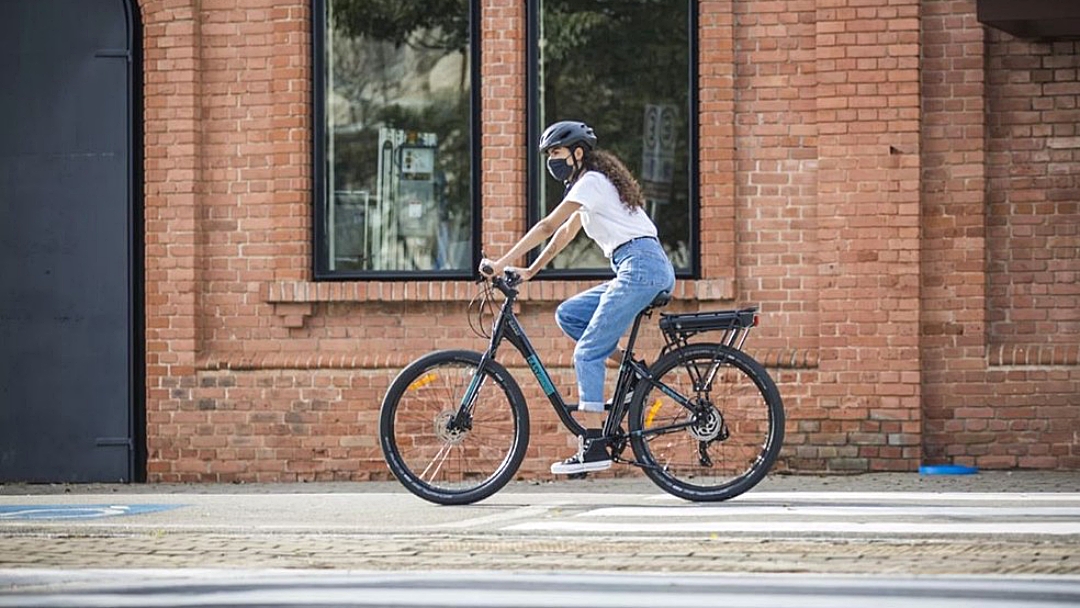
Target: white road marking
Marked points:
835	513
809	527
892	497
936	511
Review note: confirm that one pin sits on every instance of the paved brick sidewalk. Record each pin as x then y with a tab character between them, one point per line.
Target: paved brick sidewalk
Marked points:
115	546
443	552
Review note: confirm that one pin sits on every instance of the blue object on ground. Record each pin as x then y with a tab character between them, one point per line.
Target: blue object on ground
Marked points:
23	512
947	469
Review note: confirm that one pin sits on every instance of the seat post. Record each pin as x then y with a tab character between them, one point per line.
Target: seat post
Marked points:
637	325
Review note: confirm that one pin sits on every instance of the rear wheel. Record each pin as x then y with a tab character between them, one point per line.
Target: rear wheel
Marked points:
440	456
727	438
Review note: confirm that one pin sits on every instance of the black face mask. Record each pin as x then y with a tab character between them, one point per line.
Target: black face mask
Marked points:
558	169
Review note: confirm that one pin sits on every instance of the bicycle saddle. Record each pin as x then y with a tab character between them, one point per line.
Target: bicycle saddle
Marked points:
661	300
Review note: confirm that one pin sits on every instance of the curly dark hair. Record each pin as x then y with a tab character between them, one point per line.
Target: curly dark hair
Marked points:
613	168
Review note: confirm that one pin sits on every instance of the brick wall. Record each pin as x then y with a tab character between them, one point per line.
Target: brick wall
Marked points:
776	190
228	195
1000	245
1033	240
172	139
1033	183
868	120
827	221
904	318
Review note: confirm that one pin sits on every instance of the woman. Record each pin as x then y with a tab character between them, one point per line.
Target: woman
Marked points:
603	198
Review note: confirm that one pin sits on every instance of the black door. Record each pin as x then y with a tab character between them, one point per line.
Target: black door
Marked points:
68	374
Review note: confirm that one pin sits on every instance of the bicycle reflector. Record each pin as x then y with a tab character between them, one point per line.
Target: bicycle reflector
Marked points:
757	319
422	382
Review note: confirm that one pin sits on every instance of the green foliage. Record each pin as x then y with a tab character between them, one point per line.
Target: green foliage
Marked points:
385	56
396	20
603	62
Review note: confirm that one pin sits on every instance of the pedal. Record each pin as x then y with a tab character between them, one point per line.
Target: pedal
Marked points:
582	475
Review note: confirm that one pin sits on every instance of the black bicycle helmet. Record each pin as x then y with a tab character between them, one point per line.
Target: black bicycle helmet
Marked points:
568	133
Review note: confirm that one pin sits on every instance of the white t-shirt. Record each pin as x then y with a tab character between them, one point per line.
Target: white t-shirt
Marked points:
603	215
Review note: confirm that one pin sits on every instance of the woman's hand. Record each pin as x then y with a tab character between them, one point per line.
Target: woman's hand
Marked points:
490	268
524	273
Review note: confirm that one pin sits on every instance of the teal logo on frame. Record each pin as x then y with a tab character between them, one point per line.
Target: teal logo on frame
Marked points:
541	374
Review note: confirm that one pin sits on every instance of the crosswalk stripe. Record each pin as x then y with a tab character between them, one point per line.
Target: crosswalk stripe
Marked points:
834	513
809	527
894	497
1034	512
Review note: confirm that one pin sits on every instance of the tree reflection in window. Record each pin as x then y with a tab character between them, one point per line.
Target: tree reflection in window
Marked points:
398	135
623	66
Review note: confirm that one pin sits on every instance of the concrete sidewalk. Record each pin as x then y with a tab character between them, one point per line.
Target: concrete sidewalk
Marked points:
985	481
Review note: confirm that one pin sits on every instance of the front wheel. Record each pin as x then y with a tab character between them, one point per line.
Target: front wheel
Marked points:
724	439
441	456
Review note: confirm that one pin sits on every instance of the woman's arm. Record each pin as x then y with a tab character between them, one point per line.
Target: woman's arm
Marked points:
535	236
563	236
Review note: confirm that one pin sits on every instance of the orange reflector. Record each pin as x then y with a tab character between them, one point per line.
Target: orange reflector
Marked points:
652	413
422	381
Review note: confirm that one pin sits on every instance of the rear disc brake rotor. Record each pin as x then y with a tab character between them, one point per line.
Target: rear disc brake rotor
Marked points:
707	425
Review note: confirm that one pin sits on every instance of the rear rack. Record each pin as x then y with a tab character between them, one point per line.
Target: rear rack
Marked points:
735	325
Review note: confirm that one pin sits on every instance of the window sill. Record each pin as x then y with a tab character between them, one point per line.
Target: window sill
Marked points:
294	300
309	292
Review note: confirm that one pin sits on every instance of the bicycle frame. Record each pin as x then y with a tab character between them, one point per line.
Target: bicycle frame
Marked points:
705	451
507	327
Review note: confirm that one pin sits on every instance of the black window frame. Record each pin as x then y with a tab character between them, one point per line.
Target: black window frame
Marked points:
319	236
532	117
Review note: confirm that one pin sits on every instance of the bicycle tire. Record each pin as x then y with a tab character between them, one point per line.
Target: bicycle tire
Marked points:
751	414
469	464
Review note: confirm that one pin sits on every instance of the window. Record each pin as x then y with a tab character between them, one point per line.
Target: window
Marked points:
627	68
396	184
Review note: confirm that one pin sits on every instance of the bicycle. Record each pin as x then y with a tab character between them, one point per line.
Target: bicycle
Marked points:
454	424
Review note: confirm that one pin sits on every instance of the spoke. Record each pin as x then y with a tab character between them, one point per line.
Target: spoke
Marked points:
481	442
498	452
440	457
454	460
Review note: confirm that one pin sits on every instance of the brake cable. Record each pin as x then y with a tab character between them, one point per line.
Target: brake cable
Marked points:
484	301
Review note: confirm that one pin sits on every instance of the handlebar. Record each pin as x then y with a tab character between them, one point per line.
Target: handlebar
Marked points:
509	280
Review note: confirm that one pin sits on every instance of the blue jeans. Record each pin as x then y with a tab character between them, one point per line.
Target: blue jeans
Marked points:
596	319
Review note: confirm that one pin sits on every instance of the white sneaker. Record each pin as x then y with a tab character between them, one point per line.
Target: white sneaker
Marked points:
578	463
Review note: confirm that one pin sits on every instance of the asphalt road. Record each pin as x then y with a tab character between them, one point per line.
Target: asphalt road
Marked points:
548	590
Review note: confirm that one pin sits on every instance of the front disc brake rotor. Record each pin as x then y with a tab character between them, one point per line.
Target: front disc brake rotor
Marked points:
447	431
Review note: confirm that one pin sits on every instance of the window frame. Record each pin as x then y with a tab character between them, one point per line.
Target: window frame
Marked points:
319	237
534	176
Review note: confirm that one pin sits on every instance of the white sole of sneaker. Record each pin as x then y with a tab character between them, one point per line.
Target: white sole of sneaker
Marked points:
588	467
593	408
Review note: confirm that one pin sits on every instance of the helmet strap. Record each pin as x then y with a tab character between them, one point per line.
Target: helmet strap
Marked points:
578	167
